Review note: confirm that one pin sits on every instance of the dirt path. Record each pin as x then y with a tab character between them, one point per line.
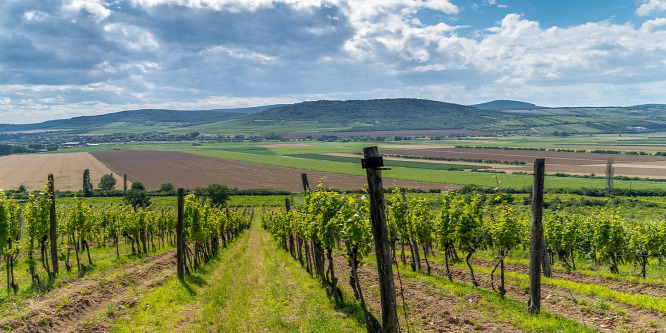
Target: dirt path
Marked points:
76	306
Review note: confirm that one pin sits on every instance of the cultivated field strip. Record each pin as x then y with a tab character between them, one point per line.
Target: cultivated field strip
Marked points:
32	170
154	168
565	162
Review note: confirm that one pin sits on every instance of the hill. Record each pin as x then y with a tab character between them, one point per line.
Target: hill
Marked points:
127	121
254	109
506	105
371	115
368	116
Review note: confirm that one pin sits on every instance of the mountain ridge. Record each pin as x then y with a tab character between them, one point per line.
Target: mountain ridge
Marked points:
364	116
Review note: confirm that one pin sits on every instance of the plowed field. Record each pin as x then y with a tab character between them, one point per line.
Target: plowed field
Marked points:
154	168
565	162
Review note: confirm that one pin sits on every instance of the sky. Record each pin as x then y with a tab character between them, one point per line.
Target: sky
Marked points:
67	58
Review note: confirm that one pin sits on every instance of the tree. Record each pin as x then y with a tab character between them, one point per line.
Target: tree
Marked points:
124	182
22	188
107	182
87	184
137	196
167	187
610	172
218	194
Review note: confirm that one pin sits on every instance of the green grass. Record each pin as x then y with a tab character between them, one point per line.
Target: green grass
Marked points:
251	286
104	262
392	163
636	300
263	155
655	273
435	176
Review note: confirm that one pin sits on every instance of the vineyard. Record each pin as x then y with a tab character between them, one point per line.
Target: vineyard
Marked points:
150	233
458	261
443	242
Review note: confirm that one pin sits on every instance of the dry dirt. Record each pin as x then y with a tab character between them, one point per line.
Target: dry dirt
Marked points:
154	168
67	168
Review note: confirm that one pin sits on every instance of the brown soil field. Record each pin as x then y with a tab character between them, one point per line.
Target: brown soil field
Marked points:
566	162
154	168
67	168
298	135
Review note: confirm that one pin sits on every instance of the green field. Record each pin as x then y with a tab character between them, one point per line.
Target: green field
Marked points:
292	156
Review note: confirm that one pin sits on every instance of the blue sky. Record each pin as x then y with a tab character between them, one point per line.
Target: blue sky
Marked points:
66	58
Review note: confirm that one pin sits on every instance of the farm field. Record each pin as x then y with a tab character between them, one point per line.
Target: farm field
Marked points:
255	285
556	162
319	159
154	168
67	169
343	134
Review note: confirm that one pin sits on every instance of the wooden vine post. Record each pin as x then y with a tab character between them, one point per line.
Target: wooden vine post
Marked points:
306	184
309	254
53	226
537	248
372	163
180	242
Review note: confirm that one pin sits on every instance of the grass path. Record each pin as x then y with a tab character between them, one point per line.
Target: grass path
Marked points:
251	286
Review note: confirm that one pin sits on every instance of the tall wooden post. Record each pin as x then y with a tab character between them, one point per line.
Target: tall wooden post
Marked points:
537	252
53	226
180	245
306	185
310	256
372	163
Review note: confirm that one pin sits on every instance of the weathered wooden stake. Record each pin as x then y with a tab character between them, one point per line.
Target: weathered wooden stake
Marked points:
372	163
306	185
180	246
537	252
53	226
545	262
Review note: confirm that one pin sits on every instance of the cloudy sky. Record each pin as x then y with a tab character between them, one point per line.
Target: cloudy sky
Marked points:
65	58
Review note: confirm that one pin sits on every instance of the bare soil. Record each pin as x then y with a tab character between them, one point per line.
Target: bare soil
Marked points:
565	162
154	168
32	170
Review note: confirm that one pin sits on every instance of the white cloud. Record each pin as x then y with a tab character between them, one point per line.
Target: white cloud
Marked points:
94	7
35	15
237	53
649	6
132	37
201	53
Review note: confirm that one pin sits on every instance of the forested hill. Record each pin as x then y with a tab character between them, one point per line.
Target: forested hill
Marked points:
368	116
503	104
379	114
134	120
